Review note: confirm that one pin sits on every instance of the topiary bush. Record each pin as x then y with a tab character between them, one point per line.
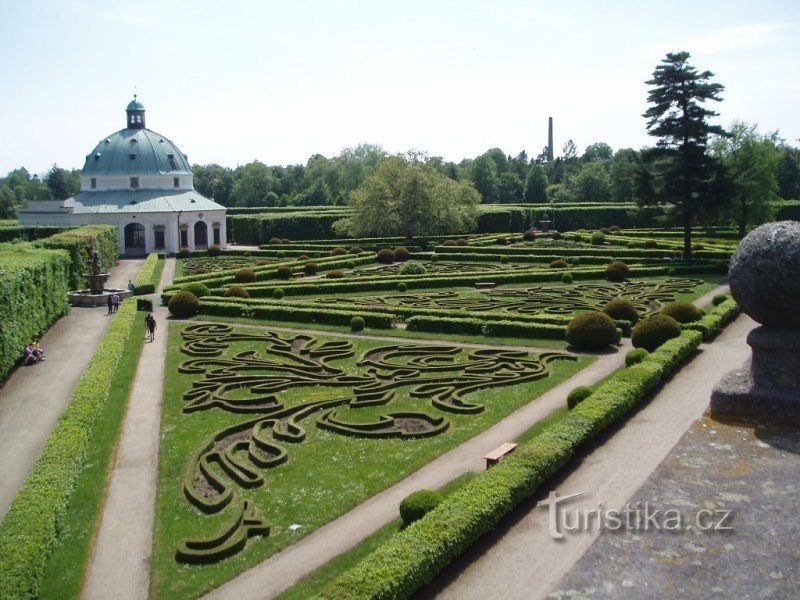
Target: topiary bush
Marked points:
197	288
286	241
278	293
335	274
559	264
635	356
682	311
598	238
577	395
301	257
614	229
236	291
719	299
566	278
357	324
461	241
401	254
620	308
274	240
310	268
501	240
529	236
504	259
650	244
385	256
449	243
653	331
418	504
434	258
244	276
355	250
555	235
617	271
183	253
183	305
214	250
144	304
283	272
339	251
402	286
577	237
201	271
591	331
672	272
413	267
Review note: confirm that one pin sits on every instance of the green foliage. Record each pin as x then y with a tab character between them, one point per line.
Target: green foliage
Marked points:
214	250
401	254
183	305
504	259
620	308
651	332
490	327
566	278
31	525
417	504
635	356
357	324
617	271
719	299
33	288
144	304
402	286
198	289
339	251
592	331
80	243
577	395
184	252
529	235
682	311
559	264
355	250
236	291
385	256
280	312
310	268
713	322
283	272
413	267
148	276
278	293
245	276
335	274
598	238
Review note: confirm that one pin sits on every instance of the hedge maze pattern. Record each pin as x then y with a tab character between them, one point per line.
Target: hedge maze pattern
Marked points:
220	263
249	382
647	296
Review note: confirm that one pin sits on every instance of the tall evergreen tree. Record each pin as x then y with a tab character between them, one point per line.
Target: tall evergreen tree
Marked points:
679	170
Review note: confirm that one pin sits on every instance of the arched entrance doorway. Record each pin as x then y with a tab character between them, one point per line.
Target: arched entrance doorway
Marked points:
200	235
134	239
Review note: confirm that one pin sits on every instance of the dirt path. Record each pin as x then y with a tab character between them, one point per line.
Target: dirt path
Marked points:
520	559
119	566
34	397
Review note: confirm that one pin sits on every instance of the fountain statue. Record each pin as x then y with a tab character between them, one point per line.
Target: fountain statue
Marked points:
97	294
96	279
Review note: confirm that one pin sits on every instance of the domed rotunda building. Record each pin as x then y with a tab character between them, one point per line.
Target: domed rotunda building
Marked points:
141	182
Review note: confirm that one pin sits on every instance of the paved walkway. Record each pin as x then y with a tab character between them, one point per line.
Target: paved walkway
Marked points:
119	566
520	559
33	398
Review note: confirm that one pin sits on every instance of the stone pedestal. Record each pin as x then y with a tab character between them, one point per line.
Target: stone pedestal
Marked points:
767	388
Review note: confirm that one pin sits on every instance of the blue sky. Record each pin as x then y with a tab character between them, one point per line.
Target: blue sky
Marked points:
231	82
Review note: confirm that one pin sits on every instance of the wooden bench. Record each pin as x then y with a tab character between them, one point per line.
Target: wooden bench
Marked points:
485	285
495	455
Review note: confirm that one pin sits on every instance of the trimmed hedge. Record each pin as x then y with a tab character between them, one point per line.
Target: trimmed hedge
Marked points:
276	312
145	282
33	288
490	328
417	504
717	318
78	243
31	525
414	556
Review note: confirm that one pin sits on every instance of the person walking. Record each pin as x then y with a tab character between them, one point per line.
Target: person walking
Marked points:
110	303
131	287
150	325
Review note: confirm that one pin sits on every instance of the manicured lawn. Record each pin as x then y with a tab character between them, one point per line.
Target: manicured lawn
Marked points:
326	475
66	567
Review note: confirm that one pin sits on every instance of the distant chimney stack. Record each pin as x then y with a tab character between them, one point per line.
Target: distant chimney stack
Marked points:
549	138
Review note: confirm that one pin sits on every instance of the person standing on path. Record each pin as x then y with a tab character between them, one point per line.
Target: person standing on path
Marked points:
150	325
110	304
116	301
131	287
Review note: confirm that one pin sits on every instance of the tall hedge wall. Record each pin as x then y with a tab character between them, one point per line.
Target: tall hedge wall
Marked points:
258	229
19	232
79	242
33	287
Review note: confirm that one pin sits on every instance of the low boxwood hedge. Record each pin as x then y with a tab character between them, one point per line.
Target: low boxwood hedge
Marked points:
414	556
31	525
146	279
713	322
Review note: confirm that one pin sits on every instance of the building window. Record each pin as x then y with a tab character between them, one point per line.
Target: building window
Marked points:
176	181
133	157
93	183
138	118
135	182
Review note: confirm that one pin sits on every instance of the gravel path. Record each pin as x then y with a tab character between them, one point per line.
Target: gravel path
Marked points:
119	566
33	398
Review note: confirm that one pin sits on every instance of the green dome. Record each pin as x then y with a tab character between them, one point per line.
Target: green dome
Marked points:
136	152
135	105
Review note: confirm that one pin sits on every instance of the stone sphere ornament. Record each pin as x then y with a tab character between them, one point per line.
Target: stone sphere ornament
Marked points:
764	274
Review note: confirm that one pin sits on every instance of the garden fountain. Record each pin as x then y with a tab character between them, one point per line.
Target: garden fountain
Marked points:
96	294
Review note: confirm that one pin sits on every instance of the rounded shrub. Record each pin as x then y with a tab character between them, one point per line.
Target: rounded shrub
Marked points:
501	240
449	243
303	257
591	331
310	268
339	251
278	293
698	248
632	244
682	311
434	258
577	237
236	291
183	305
183	253
281	254
461	241
335	274
555	235
672	272
653	331
575	261
357	324
617	271
504	259
578	395
605	231
197	288
598	238
559	264
413	267
529	235
286	241
620	308
385	256
355	250
283	272
614	229
719	299
566	278
402	286
244	276
274	240
214	250
401	254
635	356
418	504
201	271
351	264
650	244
